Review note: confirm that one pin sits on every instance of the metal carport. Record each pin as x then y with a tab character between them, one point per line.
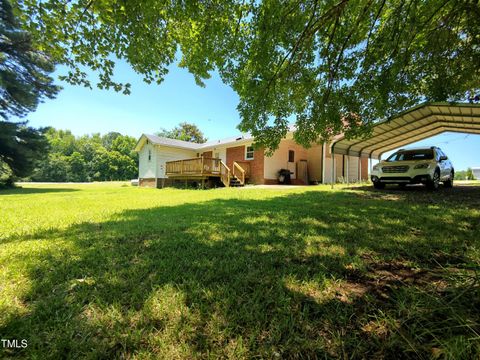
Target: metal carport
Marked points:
417	123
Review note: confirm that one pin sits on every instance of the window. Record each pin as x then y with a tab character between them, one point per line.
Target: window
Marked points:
291	156
249	153
149	155
406	155
441	154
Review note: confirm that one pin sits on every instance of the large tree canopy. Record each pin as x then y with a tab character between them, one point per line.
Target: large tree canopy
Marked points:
186	132
328	65
24	70
24	82
20	147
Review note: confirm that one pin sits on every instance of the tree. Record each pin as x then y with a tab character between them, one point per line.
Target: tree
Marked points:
125	145
24	82
108	139
61	141
54	168
77	171
184	131
329	65
469	174
20	147
85	158
111	166
24	70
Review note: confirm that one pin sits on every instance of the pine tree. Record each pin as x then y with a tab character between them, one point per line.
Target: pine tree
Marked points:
24	82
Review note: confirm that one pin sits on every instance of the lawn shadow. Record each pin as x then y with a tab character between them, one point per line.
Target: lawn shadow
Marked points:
282	277
18	190
464	195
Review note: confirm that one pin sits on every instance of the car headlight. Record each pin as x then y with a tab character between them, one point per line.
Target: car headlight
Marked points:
376	167
422	166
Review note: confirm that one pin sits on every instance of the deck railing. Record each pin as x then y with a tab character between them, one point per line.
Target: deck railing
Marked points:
196	166
224	174
239	172
203	166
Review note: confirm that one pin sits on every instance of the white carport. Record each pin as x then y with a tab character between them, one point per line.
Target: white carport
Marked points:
415	124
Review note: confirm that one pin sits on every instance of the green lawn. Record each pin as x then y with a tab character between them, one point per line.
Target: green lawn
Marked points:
109	270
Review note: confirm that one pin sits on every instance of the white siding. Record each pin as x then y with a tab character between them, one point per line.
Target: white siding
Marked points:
328	171
222	153
352	168
164	154
146	168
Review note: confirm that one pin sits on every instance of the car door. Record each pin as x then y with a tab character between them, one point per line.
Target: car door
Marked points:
444	169
448	166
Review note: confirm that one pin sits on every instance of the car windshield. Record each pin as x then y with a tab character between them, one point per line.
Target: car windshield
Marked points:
406	155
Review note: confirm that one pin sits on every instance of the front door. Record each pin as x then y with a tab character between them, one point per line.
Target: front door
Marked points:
302	172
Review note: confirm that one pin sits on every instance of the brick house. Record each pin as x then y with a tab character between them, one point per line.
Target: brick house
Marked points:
234	161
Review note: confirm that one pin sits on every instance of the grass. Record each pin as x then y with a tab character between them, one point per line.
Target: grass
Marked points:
109	270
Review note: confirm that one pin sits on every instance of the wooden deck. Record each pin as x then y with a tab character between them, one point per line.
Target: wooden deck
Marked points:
202	168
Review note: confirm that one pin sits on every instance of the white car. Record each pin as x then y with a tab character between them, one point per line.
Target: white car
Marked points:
428	166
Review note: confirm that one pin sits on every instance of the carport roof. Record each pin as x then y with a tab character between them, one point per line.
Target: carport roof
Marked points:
418	123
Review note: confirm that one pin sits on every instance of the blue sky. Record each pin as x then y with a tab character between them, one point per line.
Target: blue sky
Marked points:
152	107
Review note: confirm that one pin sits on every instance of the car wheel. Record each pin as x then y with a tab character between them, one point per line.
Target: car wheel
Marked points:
378	185
434	183
449	182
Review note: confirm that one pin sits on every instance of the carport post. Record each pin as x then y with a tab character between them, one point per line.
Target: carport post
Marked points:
333	164
359	168
347	163
324	149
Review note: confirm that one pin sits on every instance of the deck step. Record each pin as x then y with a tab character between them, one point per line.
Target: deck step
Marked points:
234	182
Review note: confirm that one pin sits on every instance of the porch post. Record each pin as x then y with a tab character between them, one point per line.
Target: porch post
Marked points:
333	164
360	168
347	165
324	147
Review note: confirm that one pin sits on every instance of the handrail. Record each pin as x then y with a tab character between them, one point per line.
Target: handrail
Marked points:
200	166
224	174
242	171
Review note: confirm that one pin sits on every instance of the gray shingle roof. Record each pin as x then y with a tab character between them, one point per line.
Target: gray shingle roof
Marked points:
172	142
158	140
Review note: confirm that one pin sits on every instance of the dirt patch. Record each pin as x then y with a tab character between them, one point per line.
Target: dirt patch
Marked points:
383	277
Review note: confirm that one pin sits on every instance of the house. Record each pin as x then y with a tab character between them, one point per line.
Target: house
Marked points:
476	172
234	161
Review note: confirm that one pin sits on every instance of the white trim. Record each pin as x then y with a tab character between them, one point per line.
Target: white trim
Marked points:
246	151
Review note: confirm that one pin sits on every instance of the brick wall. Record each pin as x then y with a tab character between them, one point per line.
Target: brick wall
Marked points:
364	165
147	182
237	153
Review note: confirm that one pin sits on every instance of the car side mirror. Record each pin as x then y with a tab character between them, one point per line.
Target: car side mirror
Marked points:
443	158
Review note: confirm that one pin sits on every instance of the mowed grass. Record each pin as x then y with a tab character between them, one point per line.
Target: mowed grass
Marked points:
113	271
